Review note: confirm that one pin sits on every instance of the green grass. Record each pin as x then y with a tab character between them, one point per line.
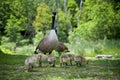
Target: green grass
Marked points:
12	68
93	48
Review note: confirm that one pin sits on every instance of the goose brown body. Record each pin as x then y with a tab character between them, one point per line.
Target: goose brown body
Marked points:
79	60
65	59
61	48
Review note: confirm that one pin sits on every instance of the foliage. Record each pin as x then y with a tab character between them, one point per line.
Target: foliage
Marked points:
5	50
7	46
92	48
43	18
22	20
98	21
64	25
73	8
18	13
14	31
37	38
24	42
96	28
25	50
4	14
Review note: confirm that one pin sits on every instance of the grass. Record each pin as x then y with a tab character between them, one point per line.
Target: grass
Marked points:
93	48
12	68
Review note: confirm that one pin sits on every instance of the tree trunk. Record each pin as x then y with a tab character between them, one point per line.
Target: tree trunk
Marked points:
57	17
66	16
65	9
80	12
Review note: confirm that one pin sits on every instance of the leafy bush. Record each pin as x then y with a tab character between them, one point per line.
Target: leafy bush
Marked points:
25	50
7	46
43	18
23	42
5	50
37	38
98	20
14	32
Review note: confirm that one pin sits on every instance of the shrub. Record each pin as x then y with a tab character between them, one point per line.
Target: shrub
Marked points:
25	50
37	38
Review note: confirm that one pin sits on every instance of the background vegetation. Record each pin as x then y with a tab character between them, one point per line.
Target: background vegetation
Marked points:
87	27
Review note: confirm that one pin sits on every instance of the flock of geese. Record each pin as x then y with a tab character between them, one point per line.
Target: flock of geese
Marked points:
47	45
51	42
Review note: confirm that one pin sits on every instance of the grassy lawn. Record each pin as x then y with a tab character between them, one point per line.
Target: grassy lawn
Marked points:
12	68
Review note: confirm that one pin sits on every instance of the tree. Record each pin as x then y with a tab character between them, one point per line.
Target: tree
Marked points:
19	9
98	21
64	25
4	14
43	18
80	12
72	7
13	28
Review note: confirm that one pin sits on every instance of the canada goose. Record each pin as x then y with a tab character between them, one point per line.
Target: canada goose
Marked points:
48	44
42	58
65	59
80	60
61	48
31	61
51	60
71	56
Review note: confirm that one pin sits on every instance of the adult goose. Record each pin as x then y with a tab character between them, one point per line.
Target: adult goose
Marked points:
49	43
61	47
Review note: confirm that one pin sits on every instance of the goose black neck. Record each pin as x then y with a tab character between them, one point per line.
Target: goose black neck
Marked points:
53	21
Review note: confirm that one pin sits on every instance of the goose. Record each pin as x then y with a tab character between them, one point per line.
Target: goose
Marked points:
61	47
48	43
65	59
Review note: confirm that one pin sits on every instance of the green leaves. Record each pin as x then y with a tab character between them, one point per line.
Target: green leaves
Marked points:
43	18
13	27
97	21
